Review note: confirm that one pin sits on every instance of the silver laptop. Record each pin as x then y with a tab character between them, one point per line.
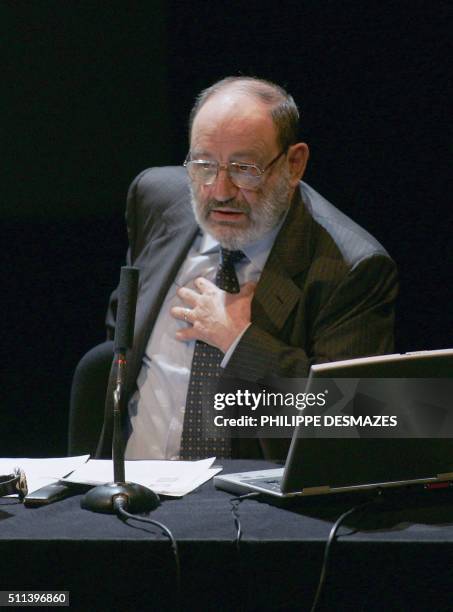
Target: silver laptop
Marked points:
323	465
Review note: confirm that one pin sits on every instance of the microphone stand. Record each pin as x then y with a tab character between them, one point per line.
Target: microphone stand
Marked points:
117	443
131	496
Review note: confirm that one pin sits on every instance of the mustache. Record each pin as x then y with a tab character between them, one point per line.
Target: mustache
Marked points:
231	205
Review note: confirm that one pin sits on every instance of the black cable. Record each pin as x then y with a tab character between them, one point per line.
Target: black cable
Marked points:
329	544
235	501
243	590
120	503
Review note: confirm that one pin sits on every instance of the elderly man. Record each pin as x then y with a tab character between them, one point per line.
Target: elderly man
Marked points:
245	271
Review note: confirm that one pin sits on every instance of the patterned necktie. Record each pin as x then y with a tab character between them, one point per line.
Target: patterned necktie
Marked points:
200	438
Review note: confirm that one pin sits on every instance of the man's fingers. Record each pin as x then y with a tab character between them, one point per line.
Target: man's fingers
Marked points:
188	295
182	313
202	284
187	334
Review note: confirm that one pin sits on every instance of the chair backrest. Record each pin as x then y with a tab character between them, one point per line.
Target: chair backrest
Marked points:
87	402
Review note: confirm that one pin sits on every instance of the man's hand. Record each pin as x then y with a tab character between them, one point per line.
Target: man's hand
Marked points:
214	316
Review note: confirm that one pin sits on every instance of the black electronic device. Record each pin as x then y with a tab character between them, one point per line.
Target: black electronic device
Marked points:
49	494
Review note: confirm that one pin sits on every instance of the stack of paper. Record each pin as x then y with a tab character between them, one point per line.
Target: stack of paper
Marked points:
172	478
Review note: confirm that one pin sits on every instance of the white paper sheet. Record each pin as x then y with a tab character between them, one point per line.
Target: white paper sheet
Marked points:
173	478
41	472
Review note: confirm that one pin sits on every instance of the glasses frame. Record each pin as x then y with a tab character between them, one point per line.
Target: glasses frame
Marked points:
233	179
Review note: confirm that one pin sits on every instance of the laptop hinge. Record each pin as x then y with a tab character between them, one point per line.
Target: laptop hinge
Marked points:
316	490
446	476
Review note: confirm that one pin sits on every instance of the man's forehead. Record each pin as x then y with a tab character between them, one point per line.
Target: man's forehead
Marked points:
230	117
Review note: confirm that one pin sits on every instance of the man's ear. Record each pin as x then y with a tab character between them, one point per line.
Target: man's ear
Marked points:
298	155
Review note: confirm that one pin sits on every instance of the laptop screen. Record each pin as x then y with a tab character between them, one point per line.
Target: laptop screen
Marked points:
316	459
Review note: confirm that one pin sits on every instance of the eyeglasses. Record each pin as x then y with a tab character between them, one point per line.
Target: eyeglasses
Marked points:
244	176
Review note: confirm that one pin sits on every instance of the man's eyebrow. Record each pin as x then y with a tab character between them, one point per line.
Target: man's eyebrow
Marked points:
200	154
252	155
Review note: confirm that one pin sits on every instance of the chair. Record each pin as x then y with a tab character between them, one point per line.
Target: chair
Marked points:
88	400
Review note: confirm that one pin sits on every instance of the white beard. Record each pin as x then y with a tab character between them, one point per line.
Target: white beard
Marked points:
263	216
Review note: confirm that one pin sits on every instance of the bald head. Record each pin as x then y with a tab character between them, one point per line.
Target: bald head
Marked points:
279	105
232	116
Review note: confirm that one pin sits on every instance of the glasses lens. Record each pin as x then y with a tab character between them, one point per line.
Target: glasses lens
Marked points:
247	176
202	171
244	176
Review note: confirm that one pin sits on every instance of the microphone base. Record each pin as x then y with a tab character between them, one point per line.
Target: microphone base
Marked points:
140	499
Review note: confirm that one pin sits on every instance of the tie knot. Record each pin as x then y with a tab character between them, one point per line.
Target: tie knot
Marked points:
230	257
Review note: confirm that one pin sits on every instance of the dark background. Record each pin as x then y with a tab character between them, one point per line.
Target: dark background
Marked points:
94	92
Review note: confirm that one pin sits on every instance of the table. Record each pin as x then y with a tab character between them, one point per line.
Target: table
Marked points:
402	558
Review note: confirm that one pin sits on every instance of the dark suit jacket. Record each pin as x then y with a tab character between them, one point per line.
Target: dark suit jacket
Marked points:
326	293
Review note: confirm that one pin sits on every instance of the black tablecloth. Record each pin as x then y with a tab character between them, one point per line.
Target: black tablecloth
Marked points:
396	556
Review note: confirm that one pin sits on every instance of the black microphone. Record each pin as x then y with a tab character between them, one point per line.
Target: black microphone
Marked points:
134	497
125	315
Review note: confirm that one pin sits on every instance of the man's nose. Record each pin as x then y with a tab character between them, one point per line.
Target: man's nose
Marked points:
223	188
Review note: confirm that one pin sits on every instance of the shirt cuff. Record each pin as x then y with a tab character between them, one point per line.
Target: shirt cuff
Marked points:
230	351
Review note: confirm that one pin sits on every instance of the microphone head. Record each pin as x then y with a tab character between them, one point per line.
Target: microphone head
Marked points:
125	315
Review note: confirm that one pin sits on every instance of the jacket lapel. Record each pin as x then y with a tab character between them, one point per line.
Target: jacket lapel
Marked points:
277	292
